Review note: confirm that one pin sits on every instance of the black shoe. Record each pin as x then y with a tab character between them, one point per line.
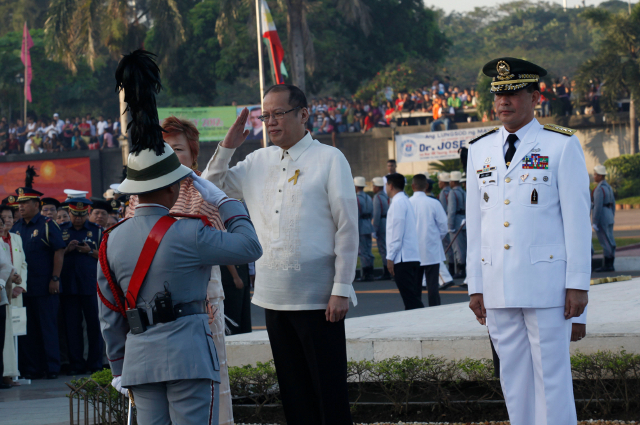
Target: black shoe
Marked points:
33	376
4	386
446	285
52	375
607	265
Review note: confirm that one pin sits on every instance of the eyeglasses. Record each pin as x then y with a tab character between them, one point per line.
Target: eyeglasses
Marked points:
277	115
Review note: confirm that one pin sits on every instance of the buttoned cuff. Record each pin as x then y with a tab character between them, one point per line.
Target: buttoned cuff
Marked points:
224	153
345	290
578	280
474	284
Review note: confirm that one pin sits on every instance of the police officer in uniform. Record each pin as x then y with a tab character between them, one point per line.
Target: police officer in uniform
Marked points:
603	217
155	269
78	297
445	189
528	258
380	207
100	212
365	229
50	207
39	352
456	215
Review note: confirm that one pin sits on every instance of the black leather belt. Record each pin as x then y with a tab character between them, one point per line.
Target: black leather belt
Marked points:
608	205
181	310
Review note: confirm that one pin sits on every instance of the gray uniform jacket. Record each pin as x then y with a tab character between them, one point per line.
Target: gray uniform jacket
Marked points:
182	349
365	213
380	208
456	208
604	205
444	197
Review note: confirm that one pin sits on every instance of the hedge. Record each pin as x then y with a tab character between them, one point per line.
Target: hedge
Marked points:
605	383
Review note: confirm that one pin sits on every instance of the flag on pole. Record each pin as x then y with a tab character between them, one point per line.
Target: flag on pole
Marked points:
27	43
274	46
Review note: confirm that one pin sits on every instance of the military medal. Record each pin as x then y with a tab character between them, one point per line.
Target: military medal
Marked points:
535	162
295	177
534	197
545	178
486	197
488	160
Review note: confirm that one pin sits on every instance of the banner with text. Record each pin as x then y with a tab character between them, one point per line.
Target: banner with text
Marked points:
213	123
435	145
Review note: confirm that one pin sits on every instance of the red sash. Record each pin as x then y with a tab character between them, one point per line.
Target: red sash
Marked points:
146	258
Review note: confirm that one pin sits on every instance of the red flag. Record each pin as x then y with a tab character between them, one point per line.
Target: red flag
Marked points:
27	43
272	40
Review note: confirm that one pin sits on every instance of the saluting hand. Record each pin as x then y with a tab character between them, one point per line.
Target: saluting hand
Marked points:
237	134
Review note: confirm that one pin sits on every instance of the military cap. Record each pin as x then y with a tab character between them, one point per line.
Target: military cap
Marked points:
100	204
72	193
359	181
51	201
511	74
443	176
10	201
78	206
378	181
455	176
600	169
27	193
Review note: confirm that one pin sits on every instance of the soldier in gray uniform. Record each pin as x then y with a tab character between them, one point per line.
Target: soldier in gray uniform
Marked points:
456	214
365	229
380	207
159	343
603	217
445	189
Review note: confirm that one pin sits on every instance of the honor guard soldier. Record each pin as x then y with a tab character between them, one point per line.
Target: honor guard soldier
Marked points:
365	229
528	258
381	204
603	217
50	207
78	296
456	215
154	271
443	197
39	352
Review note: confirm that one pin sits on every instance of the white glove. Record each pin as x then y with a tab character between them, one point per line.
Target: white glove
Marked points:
208	190
373	236
116	383
595	228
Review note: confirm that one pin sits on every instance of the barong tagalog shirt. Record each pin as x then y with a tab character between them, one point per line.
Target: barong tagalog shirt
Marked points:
303	206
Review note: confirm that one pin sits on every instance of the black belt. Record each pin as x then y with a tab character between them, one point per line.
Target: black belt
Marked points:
181	310
366	216
608	205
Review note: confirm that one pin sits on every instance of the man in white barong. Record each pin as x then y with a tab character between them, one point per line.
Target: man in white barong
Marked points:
300	194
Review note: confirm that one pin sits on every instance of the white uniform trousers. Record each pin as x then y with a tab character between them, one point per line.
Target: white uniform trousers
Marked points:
535	366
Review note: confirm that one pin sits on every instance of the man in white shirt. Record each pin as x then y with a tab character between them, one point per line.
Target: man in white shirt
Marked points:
101	125
300	195
403	256
59	124
431	225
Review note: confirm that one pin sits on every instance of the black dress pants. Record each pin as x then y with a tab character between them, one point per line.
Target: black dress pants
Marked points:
237	302
310	356
410	291
432	274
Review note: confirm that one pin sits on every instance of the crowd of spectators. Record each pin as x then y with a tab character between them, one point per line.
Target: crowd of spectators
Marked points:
57	135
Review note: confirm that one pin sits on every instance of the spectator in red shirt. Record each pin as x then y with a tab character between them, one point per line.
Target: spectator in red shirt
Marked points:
369	122
389	112
85	129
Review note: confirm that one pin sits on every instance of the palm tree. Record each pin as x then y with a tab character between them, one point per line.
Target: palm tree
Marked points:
617	62
92	30
447	165
300	39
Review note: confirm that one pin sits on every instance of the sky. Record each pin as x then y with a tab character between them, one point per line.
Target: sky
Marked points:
468	5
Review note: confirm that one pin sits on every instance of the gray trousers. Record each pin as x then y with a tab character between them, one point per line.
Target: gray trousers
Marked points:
460	246
445	243
381	240
364	251
605	237
183	402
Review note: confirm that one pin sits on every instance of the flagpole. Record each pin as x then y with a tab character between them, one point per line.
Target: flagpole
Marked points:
260	70
26	79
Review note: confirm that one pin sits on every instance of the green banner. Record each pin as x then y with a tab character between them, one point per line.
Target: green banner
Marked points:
213	123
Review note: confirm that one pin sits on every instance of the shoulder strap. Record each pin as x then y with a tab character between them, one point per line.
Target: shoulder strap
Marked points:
558	129
493	130
146	257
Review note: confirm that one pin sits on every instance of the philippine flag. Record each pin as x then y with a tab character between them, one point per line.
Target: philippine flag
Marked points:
274	46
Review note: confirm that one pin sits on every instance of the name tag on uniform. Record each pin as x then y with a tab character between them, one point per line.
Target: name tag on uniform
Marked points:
485	175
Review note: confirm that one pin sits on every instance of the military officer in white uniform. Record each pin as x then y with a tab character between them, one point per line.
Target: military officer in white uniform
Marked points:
603	217
528	257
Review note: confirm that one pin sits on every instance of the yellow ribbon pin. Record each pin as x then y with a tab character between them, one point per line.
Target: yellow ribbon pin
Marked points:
295	177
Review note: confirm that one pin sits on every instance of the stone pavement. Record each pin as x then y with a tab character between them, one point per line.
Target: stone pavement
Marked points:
44	402
452	331
627	220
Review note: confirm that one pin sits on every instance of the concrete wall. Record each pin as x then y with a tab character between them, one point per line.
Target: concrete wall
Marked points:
601	138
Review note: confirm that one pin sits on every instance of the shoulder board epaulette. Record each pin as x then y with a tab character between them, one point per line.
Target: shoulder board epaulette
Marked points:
203	218
558	129
108	230
485	134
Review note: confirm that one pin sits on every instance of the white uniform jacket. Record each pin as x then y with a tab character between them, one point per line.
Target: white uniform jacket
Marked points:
529	236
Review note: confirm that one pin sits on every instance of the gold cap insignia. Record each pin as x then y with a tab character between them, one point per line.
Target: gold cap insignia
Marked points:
80	205
21	191
12	199
89	234
114	204
503	68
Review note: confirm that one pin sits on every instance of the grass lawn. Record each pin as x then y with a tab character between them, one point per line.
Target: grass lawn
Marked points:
377	260
633	200
620	242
